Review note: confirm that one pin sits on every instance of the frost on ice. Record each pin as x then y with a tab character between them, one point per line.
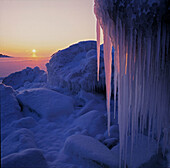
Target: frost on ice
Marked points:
139	32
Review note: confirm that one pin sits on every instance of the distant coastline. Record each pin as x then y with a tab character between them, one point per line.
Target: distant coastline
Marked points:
5	56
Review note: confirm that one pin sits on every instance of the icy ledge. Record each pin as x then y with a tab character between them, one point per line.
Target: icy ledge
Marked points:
139	32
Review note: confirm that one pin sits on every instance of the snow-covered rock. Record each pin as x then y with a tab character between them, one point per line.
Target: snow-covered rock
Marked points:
93	121
29	158
17	141
74	68
110	142
26	78
46	103
114	132
143	151
92	105
88	148
26	122
10	109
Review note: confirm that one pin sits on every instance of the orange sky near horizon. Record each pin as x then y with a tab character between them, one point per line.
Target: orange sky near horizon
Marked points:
44	25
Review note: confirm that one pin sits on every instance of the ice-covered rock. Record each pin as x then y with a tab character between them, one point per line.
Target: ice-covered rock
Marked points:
46	103
143	151
28	158
93	121
75	68
10	109
27	78
17	141
88	148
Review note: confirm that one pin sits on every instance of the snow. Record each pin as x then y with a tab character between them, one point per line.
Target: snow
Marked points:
78	71
54	125
91	121
46	103
88	148
26	122
20	140
26	78
25	159
10	109
90	102
114	132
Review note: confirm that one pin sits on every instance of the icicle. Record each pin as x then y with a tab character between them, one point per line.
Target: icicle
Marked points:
141	69
98	48
107	46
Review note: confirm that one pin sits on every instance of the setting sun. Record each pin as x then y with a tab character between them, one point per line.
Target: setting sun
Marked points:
33	50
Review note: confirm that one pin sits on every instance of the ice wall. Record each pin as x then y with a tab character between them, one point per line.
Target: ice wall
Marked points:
139	32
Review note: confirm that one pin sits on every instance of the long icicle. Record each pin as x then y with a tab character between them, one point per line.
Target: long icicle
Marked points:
98	48
108	70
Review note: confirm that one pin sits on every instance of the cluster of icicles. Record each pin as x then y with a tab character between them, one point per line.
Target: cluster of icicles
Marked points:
141	75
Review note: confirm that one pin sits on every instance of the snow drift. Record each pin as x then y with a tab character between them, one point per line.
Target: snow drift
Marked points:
46	103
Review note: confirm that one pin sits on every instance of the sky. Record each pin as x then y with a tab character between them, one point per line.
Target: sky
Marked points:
44	25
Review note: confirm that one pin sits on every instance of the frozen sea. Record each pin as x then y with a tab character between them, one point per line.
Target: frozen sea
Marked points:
11	65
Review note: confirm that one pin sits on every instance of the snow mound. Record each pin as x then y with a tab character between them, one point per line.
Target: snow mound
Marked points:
17	141
88	148
10	109
26	122
75	68
26	78
26	159
114	132
144	150
93	121
46	103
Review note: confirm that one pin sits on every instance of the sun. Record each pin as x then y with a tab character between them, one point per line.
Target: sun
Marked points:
34	51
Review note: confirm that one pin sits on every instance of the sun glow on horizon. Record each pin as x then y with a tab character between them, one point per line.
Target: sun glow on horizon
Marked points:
34	51
60	23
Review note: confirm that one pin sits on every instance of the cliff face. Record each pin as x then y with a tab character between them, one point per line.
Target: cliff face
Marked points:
139	32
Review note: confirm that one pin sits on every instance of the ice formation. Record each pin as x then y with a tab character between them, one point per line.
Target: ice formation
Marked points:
27	78
98	49
139	32
78	71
